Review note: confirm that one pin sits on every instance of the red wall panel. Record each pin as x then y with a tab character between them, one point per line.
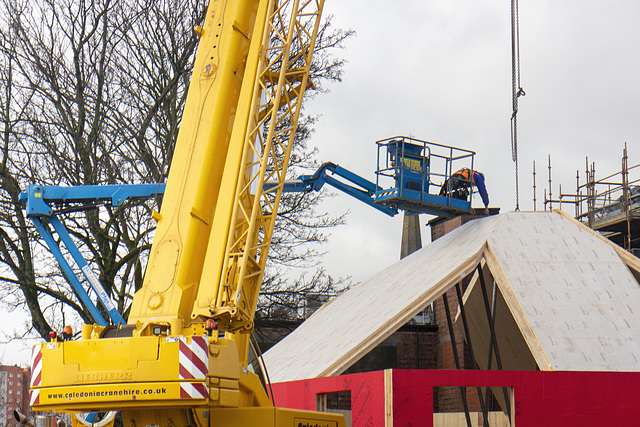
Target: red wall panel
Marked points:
541	398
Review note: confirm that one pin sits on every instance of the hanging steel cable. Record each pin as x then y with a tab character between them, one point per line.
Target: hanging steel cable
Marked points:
516	89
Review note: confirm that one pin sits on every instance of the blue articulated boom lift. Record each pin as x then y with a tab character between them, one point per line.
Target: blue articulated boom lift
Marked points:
406	161
410	165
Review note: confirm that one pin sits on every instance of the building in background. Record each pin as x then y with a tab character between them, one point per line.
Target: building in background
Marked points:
14	393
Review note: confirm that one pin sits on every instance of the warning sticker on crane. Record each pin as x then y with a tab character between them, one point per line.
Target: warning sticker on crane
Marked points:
193	358
97	286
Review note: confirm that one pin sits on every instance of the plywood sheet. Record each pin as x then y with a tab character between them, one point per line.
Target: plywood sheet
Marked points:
568	292
572	289
345	329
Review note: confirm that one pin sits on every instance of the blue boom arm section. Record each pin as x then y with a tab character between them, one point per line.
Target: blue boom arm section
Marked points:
340	178
411	164
40	201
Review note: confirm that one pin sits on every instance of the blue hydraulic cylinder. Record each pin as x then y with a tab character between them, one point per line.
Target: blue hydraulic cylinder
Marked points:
68	271
354	185
91	277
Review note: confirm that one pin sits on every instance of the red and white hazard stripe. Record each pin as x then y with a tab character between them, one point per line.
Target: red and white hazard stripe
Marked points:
193	391
193	358
36	365
36	374
34	397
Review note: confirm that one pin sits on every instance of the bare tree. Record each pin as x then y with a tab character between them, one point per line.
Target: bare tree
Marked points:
90	95
300	229
88	99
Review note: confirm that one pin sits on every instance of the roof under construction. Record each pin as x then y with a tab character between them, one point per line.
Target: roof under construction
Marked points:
564	300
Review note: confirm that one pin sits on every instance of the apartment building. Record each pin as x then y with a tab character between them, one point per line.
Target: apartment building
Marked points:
14	393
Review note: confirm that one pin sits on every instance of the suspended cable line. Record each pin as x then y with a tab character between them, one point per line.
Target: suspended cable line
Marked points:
516	90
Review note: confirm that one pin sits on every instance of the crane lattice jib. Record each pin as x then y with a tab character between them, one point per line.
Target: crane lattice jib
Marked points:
268	138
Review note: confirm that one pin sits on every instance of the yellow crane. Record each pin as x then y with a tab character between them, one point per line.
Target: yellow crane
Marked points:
182	358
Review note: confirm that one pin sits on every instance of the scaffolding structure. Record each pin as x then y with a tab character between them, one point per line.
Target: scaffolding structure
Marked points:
610	205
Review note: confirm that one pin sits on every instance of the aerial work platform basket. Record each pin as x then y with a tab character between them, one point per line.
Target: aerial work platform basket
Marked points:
414	167
412	175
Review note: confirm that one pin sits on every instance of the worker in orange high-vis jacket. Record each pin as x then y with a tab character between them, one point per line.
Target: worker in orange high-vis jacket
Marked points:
459	183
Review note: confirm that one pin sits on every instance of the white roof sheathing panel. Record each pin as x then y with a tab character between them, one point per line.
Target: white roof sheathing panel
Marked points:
566	287
345	329
572	289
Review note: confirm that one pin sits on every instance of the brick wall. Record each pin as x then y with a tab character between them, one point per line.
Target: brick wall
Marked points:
15	393
440	227
417	348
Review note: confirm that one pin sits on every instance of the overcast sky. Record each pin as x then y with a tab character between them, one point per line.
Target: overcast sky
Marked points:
440	70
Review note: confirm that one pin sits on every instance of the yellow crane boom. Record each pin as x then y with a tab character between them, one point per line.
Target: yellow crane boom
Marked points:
169	366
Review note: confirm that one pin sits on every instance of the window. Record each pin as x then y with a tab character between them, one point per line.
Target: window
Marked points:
19	383
10	382
19	375
11	374
10	391
10	400
19	391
